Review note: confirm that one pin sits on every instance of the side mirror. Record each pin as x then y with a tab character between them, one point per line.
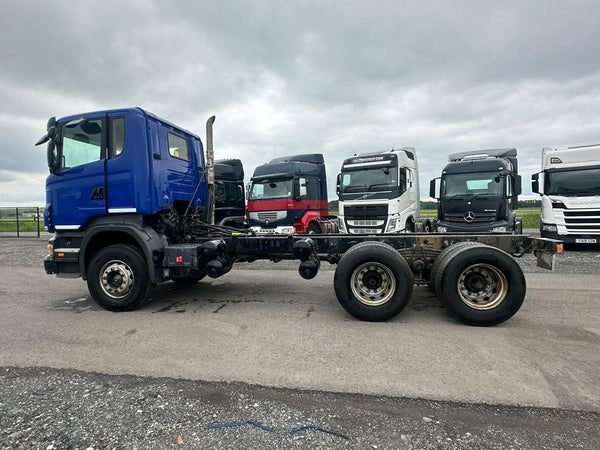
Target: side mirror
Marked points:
338	187
52	157
517	189
535	183
433	191
302	187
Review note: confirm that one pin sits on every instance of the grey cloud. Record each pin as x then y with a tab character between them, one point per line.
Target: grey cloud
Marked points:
286	77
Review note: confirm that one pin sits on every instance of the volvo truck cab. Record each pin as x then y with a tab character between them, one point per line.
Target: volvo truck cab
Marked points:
379	192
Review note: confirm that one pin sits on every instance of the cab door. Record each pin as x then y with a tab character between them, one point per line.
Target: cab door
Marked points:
76	193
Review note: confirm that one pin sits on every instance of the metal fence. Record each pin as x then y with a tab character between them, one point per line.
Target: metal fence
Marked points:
21	221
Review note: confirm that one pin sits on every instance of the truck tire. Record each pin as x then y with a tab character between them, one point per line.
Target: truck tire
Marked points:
313	228
373	281
118	278
435	279
482	285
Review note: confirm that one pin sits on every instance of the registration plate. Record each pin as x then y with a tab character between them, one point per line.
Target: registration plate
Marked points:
585	241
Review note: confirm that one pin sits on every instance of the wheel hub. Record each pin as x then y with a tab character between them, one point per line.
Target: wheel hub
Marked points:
482	286
373	284
372	279
116	279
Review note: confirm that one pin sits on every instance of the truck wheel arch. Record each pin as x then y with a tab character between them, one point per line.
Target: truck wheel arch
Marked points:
145	239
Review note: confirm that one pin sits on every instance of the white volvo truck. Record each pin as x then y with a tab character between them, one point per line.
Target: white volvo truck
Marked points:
379	192
569	184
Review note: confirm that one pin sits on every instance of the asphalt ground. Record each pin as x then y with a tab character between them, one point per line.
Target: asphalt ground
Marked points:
196	364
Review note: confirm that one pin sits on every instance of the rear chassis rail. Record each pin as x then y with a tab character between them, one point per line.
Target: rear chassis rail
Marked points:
413	247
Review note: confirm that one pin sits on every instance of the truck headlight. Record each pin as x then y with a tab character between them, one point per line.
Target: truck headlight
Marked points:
499	229
287	230
550	228
391	226
341	225
442	229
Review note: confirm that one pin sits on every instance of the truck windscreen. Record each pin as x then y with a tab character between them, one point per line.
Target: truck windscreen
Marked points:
573	182
370	179
481	183
271	189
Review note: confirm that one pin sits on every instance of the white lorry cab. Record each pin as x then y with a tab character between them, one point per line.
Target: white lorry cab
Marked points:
569	184
379	192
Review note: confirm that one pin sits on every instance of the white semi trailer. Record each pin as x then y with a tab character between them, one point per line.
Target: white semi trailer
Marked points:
569	184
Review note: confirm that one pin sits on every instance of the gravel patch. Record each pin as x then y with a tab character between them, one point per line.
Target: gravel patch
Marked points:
54	409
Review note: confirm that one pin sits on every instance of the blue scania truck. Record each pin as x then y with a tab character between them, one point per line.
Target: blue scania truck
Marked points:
130	199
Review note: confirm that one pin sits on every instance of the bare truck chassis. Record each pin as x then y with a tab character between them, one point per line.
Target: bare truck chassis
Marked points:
475	276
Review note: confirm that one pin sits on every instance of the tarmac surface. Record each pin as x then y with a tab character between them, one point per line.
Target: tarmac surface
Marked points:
262	358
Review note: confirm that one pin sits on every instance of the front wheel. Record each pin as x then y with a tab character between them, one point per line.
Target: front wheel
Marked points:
373	281
313	228
118	278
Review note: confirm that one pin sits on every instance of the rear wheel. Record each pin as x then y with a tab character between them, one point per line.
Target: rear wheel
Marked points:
118	279
440	263
482	285
373	281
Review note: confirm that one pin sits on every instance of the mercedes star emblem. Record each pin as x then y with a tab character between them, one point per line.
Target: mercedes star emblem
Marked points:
469	216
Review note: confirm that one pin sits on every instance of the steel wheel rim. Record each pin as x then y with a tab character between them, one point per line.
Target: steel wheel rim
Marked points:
373	284
482	286
116	279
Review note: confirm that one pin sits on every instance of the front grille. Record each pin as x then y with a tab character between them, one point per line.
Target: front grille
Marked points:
587	213
365	223
582	221
480	217
364	211
368	216
267	215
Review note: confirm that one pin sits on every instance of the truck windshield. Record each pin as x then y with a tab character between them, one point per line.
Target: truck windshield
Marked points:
573	182
482	183
271	189
371	179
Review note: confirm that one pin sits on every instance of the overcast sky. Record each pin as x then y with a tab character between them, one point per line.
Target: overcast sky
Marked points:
287	77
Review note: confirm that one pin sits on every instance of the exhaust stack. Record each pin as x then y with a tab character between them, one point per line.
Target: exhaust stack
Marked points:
210	166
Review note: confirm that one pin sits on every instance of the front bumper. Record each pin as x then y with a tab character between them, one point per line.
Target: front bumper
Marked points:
451	227
571	238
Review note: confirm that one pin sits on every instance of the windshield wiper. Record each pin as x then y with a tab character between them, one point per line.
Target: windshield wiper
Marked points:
470	196
355	188
388	185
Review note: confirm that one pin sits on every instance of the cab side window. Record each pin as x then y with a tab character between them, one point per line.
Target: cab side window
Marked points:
178	147
117	137
403	179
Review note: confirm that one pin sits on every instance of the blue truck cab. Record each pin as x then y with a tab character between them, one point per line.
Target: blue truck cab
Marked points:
121	161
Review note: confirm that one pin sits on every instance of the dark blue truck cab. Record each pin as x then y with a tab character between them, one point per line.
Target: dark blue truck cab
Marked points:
124	161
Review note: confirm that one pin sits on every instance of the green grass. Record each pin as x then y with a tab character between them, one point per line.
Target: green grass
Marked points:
530	216
25	224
